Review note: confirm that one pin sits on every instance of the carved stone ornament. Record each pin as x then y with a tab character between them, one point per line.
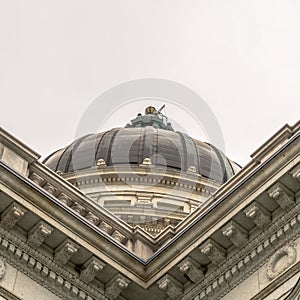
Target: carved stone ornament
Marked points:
65	251
115	286
280	261
282	195
38	234
2	267
215	252
91	268
258	214
171	286
12	215
236	233
190	268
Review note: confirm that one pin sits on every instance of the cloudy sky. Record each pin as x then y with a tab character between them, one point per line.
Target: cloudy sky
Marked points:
58	57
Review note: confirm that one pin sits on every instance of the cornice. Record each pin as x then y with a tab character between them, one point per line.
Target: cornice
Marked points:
70	215
274	142
251	257
16	145
9	296
44	270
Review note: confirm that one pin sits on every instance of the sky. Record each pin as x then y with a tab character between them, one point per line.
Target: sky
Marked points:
58	57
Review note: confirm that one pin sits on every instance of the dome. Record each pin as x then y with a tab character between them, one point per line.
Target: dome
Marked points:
132	146
146	173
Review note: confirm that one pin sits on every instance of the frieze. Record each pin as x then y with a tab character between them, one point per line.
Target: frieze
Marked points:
283	230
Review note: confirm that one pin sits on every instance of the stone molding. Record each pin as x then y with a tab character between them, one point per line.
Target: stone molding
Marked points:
277	282
78	207
246	261
269	241
2	267
44	270
106	222
7	295
295	292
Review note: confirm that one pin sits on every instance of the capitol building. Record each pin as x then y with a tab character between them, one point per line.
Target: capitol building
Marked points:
145	212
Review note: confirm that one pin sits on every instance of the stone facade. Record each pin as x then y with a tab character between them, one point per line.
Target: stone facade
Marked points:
243	242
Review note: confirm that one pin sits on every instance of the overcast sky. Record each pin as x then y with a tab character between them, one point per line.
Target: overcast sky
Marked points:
241	57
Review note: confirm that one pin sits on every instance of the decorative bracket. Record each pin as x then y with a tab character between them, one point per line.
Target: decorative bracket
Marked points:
191	269
115	286
91	268
118	236
105	227
65	199
171	286
65	251
79	208
37	179
12	214
296	173
258	214
92	218
50	188
38	234
282	195
236	233
215	252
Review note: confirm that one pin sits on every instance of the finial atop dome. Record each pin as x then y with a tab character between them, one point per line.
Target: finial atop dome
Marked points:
150	110
152	117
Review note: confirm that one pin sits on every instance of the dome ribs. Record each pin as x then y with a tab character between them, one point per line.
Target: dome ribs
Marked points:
98	149
148	138
222	165
130	146
64	163
108	146
184	157
197	156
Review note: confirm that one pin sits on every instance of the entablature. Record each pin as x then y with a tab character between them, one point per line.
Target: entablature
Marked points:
55	226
